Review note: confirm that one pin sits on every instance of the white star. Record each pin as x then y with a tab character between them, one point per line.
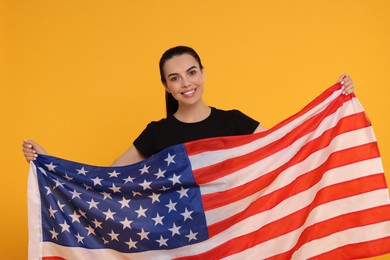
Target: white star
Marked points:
97	181
141	212
87	187
81	171
162	241
186	214
105	241
115	188
90	230
79	238
158	220
113	174
61	206
192	236
68	177
160	174
75	194
75	217
128	179
42	171
126	223
143	234
58	183
175	179
183	192
106	195
82	213
48	190
113	235
146	185
93	204
171	206
175	229
97	223
54	234
155	197
109	214
135	193
124	203
52	212
65	227
132	243
51	167
164	188
145	169
169	159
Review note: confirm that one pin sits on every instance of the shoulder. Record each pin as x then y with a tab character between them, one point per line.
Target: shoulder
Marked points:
230	112
162	123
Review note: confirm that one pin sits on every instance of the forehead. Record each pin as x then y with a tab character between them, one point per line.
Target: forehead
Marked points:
180	63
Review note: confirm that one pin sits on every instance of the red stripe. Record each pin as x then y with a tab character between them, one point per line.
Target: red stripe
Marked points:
269	201
293	221
226	167
359	250
344	222
213	144
52	258
211	201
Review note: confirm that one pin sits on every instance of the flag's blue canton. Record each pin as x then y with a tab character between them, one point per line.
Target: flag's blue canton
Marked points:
154	204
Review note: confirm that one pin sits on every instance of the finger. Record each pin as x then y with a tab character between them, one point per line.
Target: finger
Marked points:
349	90
342	77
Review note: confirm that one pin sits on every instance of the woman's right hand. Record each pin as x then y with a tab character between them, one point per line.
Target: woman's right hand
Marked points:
31	150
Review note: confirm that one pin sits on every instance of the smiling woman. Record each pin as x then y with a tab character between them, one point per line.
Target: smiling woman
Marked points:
189	118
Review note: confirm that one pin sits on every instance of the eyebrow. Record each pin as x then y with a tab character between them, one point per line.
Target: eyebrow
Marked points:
174	74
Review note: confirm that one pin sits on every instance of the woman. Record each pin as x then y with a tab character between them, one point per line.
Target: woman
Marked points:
188	117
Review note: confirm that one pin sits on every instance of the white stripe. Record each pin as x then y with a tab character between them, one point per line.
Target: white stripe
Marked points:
266	249
323	212
346	237
333	176
209	158
34	215
262	167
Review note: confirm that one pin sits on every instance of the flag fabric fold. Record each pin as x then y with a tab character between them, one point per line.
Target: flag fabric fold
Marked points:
313	186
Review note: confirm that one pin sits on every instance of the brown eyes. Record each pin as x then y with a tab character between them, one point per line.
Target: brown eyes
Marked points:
192	72
176	78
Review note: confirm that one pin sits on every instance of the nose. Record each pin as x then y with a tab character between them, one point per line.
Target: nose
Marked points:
186	82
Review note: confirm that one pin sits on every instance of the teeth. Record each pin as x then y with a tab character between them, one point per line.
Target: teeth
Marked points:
189	92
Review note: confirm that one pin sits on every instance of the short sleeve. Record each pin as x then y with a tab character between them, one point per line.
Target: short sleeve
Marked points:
243	123
145	142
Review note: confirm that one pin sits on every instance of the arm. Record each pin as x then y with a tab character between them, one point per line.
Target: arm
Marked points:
260	128
31	150
130	156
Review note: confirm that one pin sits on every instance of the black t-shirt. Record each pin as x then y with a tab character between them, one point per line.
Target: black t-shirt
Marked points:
169	131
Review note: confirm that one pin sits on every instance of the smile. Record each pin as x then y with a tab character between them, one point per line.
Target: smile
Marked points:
189	93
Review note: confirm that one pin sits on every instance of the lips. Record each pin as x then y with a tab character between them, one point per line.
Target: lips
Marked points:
189	93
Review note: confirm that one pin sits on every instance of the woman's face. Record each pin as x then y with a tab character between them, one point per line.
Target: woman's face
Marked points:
184	79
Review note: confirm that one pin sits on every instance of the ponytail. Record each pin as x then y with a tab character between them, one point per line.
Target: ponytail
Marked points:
171	104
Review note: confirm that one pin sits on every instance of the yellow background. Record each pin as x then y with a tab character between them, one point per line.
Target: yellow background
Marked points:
81	77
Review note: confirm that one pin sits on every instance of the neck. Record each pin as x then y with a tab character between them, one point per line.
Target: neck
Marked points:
193	113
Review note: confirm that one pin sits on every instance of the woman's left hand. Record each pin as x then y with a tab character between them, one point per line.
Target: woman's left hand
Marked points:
346	81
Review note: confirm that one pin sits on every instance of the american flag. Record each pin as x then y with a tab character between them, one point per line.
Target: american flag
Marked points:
311	187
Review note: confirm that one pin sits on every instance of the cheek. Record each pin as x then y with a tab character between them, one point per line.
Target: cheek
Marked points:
199	81
171	87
